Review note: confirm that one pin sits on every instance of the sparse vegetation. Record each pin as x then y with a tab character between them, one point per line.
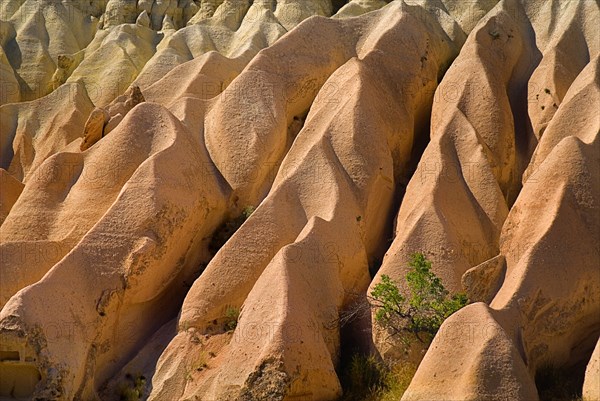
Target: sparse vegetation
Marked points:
368	379
227	229
133	388
426	309
400	377
417	316
201	364
198	365
232	315
365	376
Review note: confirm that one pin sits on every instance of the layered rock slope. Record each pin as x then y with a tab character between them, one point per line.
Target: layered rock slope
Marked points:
135	134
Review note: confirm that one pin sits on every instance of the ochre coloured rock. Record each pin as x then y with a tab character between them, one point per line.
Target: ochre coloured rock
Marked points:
283	264
42	31
549	241
197	194
591	385
112	123
145	246
482	282
457	200
464	340
355	8
93	130
30	132
11	189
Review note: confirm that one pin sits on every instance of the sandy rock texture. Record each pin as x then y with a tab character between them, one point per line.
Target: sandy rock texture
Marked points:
548	238
195	192
591	385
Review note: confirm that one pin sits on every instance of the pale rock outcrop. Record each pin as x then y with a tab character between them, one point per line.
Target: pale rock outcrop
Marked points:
230	13
30	132
456	202
206	10
235	29
66	64
591	385
571	117
358	7
11	189
168	26
143	19
193	111
334	189
274	92
236	34
118	109
119	12
482	168
8	81
93	129
95	30
565	53
272	100
452	371
33	239
127	48
482	282
548	304
196	82
44	30
467	14
128	271
103	120
567	226
291	12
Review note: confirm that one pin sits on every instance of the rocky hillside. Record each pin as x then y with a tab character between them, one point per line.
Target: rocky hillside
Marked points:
195	193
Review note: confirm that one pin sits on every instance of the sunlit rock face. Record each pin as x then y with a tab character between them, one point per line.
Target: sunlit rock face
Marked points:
194	194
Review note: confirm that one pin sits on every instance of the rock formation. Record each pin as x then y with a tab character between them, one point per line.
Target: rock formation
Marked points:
591	386
194	192
551	283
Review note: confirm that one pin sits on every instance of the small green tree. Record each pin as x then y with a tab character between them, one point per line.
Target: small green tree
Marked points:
426	309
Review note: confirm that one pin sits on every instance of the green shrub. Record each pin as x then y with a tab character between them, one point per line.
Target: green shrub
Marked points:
426	309
421	313
231	315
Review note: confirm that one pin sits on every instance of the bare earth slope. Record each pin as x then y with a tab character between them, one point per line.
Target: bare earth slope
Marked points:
135	134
